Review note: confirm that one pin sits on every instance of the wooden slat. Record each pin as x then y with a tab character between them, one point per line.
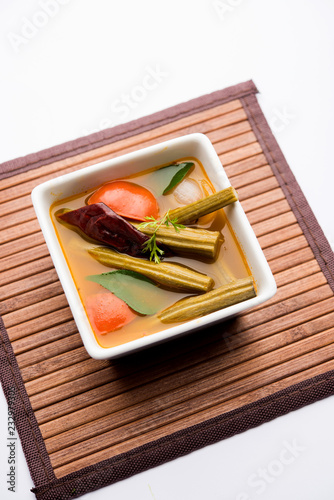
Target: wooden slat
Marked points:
215	115
90	410
257	174
257	188
21	217
246	165
285	248
300	271
27	349
229	131
296	258
276	373
53	364
24	300
54	318
272	224
26	270
280	207
194	404
252	201
35	310
235	143
24	256
308	277
248	327
30	283
101	409
240	154
6	249
146	420
66	375
12	234
22	184
11	206
70	389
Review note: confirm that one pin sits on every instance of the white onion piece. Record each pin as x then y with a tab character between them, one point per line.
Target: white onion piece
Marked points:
188	191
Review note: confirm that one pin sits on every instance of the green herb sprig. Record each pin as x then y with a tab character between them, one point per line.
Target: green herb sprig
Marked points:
151	244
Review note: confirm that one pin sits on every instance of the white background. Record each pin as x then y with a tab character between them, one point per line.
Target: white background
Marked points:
72	67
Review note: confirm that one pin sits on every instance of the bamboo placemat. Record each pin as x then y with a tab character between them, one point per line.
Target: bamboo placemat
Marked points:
85	423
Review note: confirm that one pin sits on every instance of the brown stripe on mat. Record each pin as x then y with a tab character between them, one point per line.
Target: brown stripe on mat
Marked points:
96	422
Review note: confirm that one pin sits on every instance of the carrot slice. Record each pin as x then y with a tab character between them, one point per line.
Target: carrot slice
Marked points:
107	312
127	199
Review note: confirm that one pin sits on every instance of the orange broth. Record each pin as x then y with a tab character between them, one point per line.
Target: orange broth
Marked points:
230	263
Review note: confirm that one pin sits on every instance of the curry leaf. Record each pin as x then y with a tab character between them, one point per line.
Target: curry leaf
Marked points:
139	292
183	169
159	179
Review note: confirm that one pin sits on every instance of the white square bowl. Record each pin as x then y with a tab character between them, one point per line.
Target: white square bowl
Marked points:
193	145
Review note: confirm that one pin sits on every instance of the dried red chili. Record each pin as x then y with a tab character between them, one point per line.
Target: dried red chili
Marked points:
102	224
